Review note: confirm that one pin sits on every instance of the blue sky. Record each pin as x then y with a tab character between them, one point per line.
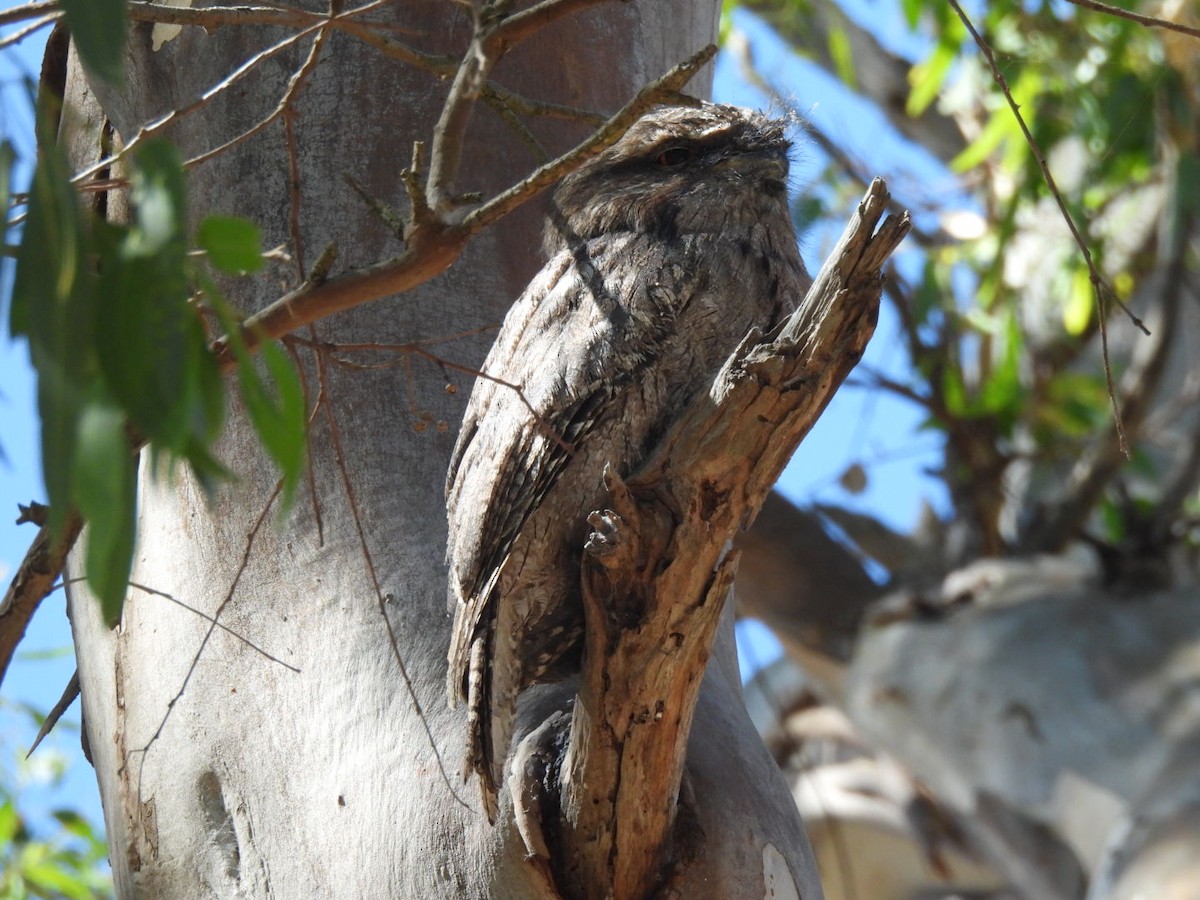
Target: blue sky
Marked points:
859	426
45	659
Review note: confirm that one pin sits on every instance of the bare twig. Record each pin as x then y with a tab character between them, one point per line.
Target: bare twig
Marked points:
388	216
70	692
381	599
1099	286
213	623
313	404
441	65
528	22
211	18
145	589
661	90
1095	469
1150	21
293	158
28	11
34	580
150	129
17	36
404	352
434	245
495	33
449	135
502	96
321	23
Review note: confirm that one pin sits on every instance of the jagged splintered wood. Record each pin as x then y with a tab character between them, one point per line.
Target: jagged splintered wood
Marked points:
656	574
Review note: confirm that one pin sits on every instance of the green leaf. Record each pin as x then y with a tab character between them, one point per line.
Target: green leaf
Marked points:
10	822
73	823
842	56
149	339
159	195
927	78
276	412
1002	126
53	304
1075	405
1001	394
98	30
105	484
954	391
1185	202
1077	313
233	245
50	876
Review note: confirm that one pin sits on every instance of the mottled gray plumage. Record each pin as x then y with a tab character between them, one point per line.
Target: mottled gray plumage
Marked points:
664	251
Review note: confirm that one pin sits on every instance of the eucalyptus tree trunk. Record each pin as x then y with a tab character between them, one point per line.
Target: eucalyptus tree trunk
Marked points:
303	747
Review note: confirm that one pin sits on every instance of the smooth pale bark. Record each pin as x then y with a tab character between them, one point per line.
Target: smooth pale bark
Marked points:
1026	696
226	774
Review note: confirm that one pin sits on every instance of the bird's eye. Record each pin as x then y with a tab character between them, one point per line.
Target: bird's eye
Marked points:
673	156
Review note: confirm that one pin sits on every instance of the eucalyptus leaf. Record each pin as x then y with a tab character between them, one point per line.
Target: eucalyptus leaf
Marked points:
53	306
104	480
233	245
277	413
99	30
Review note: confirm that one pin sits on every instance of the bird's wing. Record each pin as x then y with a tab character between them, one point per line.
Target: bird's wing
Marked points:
565	346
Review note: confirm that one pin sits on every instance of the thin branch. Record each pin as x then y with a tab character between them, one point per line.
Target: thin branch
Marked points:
441	65
144	750
404	352
213	620
1149	21
1094	471
663	89
28	11
526	23
1099	286
166	120
522	105
310	475
449	135
293	158
513	121
381	599
17	36
34	579
211	18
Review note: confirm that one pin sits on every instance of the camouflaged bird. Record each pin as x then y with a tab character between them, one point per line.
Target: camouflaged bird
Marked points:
664	251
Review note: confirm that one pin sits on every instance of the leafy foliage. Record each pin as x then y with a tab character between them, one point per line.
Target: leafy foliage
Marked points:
122	351
67	863
99	29
56	854
1001	320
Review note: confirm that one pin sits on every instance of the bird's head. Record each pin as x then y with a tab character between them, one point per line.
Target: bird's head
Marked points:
678	170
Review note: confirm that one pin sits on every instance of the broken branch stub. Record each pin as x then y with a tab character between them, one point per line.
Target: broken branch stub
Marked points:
658	569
